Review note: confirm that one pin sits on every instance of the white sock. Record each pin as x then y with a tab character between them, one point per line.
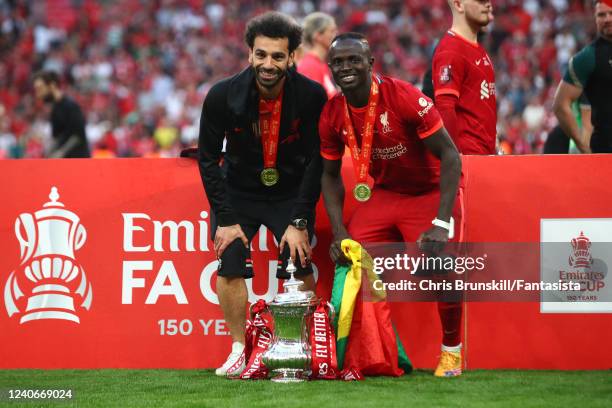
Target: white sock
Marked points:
237	347
454	349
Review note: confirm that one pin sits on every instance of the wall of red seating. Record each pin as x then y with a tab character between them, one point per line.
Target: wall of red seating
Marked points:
152	302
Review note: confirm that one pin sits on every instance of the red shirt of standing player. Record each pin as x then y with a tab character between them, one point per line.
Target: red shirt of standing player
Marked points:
464	79
396	135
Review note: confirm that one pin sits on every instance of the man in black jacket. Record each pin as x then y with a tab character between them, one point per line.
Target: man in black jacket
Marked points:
268	117
67	119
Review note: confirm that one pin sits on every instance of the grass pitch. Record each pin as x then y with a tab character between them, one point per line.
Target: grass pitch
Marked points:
197	388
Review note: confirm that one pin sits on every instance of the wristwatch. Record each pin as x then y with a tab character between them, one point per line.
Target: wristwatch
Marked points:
299	223
449	226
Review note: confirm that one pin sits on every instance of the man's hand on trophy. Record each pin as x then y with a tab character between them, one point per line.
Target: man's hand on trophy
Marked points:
226	235
298	243
335	249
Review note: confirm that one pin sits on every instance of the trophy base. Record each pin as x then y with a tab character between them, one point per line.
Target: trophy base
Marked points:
288	375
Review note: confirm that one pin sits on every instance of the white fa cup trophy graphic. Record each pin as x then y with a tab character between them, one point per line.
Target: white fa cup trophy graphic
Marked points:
48	268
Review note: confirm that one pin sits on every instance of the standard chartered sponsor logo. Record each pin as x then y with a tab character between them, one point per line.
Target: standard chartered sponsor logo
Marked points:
387	153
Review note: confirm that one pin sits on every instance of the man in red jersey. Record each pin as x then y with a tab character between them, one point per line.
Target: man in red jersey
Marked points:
396	135
464	79
319	30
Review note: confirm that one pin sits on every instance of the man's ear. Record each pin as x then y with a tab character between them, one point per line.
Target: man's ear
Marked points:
458	5
291	60
250	56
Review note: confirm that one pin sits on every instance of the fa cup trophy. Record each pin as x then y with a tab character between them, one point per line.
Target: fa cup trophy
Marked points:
288	358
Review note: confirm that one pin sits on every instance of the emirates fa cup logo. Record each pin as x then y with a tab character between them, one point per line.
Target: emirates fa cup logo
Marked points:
581	256
49	280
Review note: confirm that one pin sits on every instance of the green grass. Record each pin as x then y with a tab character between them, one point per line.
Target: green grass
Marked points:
191	388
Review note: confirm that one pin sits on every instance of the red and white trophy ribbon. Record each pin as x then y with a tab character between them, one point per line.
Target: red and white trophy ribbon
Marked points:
258	338
323	344
323	348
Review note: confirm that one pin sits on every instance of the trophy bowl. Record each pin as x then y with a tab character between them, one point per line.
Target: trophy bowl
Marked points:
289	356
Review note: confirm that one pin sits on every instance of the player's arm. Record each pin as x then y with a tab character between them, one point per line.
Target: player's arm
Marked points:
333	196
442	146
585	114
580	68
431	131
447	77
310	187
446	104
562	106
332	149
210	145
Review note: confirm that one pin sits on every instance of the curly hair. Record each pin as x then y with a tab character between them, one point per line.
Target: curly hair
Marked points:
273	25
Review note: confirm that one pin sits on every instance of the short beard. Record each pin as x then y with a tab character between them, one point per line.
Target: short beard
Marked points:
281	74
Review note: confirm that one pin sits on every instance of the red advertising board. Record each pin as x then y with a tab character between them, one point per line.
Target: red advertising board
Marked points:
108	263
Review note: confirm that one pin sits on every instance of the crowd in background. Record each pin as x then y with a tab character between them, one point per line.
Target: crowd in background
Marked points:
140	69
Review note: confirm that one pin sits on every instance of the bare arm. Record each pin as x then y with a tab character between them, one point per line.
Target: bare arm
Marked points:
441	145
587	126
333	195
562	106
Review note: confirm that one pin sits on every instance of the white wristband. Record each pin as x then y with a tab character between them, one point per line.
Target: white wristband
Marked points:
449	226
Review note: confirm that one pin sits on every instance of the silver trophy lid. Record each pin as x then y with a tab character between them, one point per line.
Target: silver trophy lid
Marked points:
292	294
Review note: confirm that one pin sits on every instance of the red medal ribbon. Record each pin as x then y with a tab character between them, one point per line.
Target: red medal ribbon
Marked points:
258	338
323	345
269	127
361	162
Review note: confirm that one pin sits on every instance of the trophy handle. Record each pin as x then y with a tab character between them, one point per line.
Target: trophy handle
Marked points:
252	313
27	221
81	236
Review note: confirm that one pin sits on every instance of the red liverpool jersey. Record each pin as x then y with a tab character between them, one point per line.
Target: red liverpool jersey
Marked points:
400	161
464	69
313	68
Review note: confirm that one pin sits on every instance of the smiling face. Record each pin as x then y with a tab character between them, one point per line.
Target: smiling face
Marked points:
350	62
270	58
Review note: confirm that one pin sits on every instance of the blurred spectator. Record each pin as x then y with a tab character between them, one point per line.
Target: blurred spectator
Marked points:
319	31
135	64
67	120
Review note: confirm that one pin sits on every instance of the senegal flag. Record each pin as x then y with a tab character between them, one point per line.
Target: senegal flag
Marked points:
365	336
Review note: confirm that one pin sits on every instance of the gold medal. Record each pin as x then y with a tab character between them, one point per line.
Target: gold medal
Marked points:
269	176
362	192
